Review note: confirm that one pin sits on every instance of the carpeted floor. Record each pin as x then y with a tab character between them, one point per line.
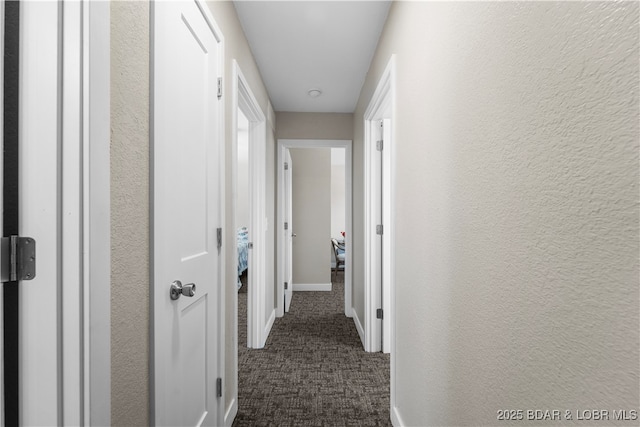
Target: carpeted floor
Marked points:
313	370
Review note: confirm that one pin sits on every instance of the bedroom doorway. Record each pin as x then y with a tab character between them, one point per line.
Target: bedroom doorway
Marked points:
249	212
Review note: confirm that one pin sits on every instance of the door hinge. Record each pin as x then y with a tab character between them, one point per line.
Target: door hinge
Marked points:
286	225
219	87
379	144
17	258
286	166
379	229
286	286
379	313
219	237
219	387
250	245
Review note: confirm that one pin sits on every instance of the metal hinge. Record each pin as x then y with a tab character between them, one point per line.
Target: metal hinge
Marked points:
286	225
379	229
250	245
286	285
219	236
286	166
379	144
17	258
379	313
219	87
219	387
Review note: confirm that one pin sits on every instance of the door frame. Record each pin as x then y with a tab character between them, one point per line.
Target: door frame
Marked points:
82	259
382	106
222	195
243	99
282	146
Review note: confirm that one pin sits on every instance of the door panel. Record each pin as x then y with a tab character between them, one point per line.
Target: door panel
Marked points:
288	201
186	213
40	214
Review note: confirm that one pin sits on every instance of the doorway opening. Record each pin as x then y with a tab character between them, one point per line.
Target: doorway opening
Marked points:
287	230
249	171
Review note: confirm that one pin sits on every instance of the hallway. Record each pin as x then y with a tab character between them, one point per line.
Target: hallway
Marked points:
313	370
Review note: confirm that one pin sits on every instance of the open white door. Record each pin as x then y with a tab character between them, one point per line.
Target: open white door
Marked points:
288	232
187	202
55	185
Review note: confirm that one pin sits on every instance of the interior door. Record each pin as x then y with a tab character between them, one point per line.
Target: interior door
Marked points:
386	236
186	214
289	234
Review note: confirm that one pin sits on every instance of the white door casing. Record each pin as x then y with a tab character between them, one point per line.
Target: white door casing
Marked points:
283	146
386	236
64	205
187	182
259	317
288	231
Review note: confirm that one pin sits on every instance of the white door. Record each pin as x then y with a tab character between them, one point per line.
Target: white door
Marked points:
386	236
288	233
186	214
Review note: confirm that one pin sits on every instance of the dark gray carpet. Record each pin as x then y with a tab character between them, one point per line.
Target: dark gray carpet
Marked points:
313	370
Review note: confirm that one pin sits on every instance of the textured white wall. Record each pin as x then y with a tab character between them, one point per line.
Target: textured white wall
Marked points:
517	207
311	215
130	213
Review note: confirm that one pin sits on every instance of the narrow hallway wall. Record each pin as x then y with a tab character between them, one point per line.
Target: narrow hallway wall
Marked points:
314	125
516	154
130	213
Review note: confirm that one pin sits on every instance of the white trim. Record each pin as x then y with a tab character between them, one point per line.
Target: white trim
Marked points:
312	287
244	100
282	146
381	106
231	413
359	326
97	216
268	326
2	422
396	419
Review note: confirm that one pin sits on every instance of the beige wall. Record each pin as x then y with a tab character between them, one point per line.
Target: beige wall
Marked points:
130	201
311	215
517	207
314	125
129	213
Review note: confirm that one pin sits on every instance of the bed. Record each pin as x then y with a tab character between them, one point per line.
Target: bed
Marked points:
243	252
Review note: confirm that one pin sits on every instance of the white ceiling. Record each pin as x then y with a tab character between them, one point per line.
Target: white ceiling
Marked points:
302	45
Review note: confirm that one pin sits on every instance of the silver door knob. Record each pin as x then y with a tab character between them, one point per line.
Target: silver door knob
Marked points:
294	235
177	289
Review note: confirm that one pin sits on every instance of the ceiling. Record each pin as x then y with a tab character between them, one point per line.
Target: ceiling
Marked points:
303	45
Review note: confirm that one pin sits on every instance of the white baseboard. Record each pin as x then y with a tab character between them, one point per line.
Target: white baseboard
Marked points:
231	413
359	327
268	326
396	419
314	287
